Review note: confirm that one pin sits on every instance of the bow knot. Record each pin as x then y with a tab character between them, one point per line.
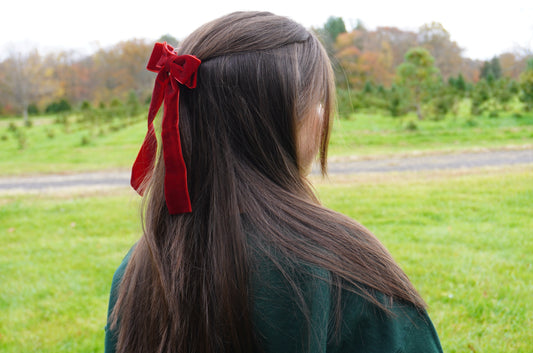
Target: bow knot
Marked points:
182	68
170	68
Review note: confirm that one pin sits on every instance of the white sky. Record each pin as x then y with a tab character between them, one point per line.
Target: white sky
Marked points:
483	28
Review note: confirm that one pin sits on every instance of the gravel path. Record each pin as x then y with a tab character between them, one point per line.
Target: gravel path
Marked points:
435	162
102	180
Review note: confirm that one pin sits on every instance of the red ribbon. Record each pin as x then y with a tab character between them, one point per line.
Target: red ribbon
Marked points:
171	69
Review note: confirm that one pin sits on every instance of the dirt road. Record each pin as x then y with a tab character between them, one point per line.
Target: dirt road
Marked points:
112	179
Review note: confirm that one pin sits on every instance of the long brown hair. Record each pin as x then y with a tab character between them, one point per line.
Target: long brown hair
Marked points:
187	285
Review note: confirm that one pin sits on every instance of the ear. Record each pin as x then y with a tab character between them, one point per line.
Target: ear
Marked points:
308	138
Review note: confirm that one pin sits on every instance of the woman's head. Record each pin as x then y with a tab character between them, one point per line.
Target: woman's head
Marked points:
262	81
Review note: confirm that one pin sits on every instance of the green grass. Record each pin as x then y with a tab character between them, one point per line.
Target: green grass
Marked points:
82	147
465	241
366	134
56	262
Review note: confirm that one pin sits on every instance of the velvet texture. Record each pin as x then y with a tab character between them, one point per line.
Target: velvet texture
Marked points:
172	71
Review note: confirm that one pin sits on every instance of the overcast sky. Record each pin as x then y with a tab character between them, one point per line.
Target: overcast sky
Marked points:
482	28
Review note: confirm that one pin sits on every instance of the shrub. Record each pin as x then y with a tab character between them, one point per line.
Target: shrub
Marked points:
50	133
12	127
133	106
396	101
85	105
471	122
411	126
32	109
85	140
58	107
148	99
115	102
21	139
494	114
346	102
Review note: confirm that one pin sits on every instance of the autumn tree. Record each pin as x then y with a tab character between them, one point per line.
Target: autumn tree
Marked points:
512	65
120	69
360	64
24	80
73	78
419	77
446	52
395	41
347	51
470	69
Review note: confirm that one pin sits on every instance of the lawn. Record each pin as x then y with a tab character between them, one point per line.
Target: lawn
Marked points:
50	146
464	240
372	135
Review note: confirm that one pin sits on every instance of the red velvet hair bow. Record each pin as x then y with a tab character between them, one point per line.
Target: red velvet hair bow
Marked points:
172	70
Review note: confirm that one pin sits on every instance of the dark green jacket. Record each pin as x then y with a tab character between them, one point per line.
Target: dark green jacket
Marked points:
283	328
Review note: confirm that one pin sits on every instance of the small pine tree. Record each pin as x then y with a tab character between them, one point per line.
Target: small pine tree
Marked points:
526	84
33	109
460	83
85	105
419	77
333	27
397	100
480	95
132	104
491	68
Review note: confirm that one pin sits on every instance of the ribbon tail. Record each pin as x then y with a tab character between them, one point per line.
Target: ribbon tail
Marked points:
176	189
144	163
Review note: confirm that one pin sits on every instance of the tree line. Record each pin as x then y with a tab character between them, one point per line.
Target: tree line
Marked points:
425	71
35	83
386	68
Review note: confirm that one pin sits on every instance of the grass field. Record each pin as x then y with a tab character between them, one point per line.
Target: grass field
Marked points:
464	240
51	147
367	135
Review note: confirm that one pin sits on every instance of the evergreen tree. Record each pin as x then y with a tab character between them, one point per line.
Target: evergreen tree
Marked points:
526	83
460	83
491	70
480	95
333	27
132	104
169	39
419	77
396	100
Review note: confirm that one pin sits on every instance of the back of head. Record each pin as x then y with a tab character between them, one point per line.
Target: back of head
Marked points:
261	76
